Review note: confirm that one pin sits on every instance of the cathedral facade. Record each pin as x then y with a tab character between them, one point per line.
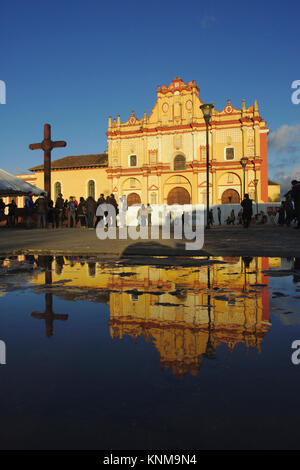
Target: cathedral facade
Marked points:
161	158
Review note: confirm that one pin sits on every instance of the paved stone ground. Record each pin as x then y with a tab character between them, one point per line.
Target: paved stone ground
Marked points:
218	241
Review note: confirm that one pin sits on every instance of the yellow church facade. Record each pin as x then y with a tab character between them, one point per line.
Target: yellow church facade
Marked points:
161	158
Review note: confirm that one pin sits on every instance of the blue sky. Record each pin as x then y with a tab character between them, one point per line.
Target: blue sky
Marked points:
72	64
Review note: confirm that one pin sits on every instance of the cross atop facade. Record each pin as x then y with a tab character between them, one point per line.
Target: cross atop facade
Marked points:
47	145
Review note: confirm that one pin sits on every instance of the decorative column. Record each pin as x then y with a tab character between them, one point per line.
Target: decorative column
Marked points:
256	141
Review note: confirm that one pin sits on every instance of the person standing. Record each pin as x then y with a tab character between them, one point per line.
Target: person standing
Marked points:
59	210
289	210
149	210
295	194
72	213
51	217
82	212
42	208
11	218
91	211
219	215
2	209
101	202
113	202
143	215
29	209
247	210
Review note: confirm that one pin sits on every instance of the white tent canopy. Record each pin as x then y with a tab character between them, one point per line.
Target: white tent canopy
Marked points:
11	185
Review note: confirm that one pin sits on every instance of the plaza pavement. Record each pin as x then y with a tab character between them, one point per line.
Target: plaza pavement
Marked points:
263	240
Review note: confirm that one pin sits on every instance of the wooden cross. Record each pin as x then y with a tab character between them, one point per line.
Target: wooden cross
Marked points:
47	145
49	316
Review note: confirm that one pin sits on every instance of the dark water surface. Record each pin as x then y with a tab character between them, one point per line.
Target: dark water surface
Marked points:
102	356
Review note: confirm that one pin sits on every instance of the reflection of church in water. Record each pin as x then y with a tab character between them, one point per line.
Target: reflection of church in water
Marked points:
186	313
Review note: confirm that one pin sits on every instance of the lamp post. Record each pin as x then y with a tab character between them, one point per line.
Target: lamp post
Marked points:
244	161
207	113
255	181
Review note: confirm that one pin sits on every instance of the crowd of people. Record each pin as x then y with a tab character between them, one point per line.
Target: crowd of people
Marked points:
72	213
287	214
68	212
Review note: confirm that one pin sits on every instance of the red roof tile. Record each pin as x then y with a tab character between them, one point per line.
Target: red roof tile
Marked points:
76	161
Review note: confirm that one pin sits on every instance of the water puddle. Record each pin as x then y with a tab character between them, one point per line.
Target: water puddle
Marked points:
180	354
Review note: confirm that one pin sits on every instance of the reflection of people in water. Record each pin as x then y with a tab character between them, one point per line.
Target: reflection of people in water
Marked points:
92	269
296	277
59	263
29	259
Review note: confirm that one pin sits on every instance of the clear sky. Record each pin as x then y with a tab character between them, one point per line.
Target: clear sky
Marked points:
72	64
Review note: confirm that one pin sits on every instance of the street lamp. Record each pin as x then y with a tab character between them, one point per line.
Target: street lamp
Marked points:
255	181
207	113
244	161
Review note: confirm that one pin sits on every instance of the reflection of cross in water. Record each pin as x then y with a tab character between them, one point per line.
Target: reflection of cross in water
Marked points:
49	316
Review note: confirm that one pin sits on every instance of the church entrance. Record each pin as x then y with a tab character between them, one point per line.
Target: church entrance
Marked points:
133	198
230	196
178	196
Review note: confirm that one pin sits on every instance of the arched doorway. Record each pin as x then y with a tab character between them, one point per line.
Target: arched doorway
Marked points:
230	196
178	196
133	198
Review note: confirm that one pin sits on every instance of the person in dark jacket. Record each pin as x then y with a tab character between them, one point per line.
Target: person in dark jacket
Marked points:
51	214
101	202
59	210
247	210
82	212
289	210
41	204
91	206
72	213
295	194
2	209
11	218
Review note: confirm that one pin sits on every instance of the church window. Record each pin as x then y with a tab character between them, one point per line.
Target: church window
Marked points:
179	162
91	189
57	189
229	153
133	160
153	198
177	142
